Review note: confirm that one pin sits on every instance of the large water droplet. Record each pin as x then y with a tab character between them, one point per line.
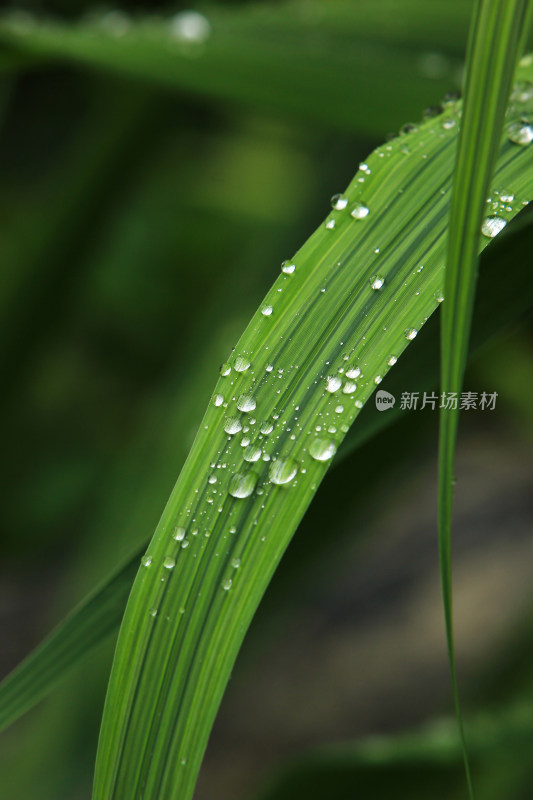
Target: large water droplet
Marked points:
353	372
349	387
283	470
169	562
233	425
179	534
359	211
288	267
246	403
190	27
339	202
376	282
492	226
242	484
266	428
266	311
520	132
252	453
218	399
322	449
241	364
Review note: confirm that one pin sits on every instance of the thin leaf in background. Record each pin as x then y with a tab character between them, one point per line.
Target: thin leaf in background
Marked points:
498	30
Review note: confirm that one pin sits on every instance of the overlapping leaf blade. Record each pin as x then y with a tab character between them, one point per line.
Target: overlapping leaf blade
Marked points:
498	30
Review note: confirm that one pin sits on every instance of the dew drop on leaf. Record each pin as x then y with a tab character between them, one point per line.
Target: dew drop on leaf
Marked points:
246	403
359	211
242	484
492	226
169	562
322	449
520	132
283	470
288	267
233	425
339	202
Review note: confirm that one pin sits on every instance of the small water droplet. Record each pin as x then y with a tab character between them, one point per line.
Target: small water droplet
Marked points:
349	387
227	584
359	211
266	311
241	364
232	425
439	296
235	563
353	372
225	370
330	224
339	409
212	479
169	562
283	470
333	383
288	267
492	226
392	361
242	484
185	543
152	612
410	333
146	561
339	202
322	449
218	399
378	379
179	534
449	123
190	27
246	403
376	282
266	428
520	132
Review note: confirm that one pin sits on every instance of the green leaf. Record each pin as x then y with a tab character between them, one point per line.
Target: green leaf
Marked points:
307	63
497	306
313	354
498	29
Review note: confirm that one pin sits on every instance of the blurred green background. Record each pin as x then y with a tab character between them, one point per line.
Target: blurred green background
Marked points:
151	185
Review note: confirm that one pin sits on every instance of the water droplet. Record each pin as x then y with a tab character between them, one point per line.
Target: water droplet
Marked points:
378	379
185	543
218	399
339	202
449	123
179	534
266	428
322	449
353	372
190	27
233	425
225	370
235	563
359	211
330	224
212	479
339	409
252	453
522	92
169	562
349	387
246	403
520	132
410	333
242	484
365	168
492	226
152	612
227	584
506	197
283	470
288	267
266	311
392	361
146	561
241	364
439	296
333	383
376	282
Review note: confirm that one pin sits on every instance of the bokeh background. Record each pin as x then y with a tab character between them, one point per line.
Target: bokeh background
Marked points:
146	202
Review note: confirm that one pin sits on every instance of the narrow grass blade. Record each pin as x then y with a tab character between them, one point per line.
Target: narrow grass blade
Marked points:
84	628
498	29
348	304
